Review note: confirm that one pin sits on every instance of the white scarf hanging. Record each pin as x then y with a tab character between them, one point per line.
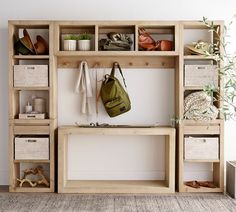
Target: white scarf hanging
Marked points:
84	86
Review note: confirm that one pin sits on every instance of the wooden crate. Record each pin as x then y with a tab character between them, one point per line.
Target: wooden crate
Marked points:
31	148
231	178
30	75
200	75
200	148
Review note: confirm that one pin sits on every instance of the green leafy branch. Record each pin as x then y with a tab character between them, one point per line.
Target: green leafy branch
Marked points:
226	69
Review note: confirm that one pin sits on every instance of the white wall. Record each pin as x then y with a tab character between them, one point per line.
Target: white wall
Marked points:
101	10
118	157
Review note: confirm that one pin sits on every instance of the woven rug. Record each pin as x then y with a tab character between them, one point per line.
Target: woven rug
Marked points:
116	203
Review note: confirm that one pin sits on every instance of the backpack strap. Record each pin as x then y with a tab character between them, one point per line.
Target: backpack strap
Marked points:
116	64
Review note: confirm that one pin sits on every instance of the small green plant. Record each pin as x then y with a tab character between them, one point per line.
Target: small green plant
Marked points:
71	37
84	36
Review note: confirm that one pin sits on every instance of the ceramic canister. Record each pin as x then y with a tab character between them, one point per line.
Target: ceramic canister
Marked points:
84	45
69	45
39	105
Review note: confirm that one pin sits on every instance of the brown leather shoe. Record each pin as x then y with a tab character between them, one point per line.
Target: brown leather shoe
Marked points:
206	184
193	184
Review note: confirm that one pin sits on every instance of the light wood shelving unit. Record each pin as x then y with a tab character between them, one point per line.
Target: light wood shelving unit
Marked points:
198	128
31	127
135	58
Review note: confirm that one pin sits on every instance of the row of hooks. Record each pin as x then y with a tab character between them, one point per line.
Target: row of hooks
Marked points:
99	64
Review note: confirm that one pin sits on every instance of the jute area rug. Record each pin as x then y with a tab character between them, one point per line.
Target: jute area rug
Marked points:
116	203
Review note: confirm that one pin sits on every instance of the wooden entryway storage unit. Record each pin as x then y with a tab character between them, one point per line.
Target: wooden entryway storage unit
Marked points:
176	31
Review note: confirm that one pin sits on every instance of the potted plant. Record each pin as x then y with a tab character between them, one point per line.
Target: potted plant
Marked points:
228	71
69	42
84	42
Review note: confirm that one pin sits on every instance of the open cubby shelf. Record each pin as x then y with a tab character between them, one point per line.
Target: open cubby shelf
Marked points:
179	32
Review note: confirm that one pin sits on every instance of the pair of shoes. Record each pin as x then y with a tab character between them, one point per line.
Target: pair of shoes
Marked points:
198	184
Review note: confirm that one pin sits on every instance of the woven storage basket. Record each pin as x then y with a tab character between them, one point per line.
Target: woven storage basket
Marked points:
30	75
28	148
200	75
200	148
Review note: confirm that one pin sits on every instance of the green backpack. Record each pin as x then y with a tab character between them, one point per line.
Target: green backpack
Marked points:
115	99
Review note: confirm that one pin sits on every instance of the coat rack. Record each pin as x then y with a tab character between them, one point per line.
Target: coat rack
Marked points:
125	62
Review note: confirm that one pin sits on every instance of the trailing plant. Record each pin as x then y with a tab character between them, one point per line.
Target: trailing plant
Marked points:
84	36
71	37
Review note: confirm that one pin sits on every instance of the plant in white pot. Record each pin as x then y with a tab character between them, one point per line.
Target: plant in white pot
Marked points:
69	42
84	42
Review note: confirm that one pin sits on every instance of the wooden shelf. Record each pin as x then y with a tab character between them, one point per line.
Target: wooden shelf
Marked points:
199	25
197	57
201	161
195	122
31	57
116	186
30	24
192	88
30	189
115	53
202	130
31	88
32	121
201	189
31	130
31	161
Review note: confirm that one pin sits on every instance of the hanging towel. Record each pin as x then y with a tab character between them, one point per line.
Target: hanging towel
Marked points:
84	87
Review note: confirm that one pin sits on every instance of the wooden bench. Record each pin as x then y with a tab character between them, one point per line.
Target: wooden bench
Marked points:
116	186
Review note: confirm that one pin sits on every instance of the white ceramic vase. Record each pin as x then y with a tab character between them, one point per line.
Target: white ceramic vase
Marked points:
69	45
84	45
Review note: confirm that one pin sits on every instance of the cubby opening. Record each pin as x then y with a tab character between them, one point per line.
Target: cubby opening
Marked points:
39	35
193	34
19	174
202	161
120	33
215	98
66	31
21	98
208	173
159	33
